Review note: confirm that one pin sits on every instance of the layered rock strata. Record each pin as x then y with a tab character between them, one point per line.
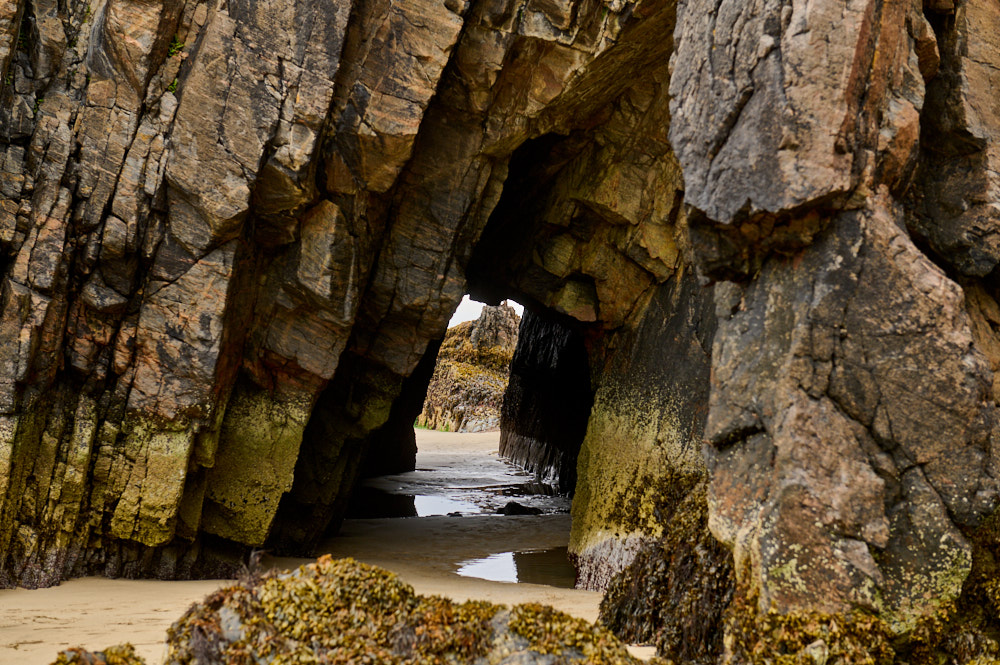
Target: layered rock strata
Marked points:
232	231
236	231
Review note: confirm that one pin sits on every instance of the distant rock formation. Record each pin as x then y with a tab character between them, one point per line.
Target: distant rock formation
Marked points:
466	392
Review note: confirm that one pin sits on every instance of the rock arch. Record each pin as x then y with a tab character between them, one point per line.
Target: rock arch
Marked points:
231	230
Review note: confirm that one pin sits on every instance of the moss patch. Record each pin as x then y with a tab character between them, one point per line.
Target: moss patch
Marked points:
804	638
636	464
243	497
122	654
967	631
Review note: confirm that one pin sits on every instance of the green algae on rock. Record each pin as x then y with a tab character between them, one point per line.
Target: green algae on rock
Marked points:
345	612
799	638
676	591
642	451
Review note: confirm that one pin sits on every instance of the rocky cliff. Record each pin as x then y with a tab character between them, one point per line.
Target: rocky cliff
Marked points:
467	388
236	230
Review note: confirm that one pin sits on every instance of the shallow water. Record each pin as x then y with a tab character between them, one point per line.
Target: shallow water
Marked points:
549	566
458	484
425	552
472	483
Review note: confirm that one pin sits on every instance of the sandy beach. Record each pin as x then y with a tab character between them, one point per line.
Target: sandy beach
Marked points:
95	612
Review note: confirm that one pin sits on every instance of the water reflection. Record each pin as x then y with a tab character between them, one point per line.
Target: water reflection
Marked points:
373	503
370	503
428	506
550	566
421	495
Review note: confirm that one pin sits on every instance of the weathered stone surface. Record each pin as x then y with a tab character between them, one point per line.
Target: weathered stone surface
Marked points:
955	208
823	477
779	105
851	418
641	455
547	401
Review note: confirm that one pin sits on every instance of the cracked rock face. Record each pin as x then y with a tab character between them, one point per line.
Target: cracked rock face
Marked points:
852	415
236	231
231	231
824	478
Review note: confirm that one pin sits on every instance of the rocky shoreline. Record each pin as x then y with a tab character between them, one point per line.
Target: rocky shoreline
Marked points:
760	239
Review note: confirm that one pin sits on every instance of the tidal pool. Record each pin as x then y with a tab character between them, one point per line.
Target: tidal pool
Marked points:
456	484
547	566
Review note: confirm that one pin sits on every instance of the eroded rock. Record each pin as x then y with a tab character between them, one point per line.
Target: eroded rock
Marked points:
238	230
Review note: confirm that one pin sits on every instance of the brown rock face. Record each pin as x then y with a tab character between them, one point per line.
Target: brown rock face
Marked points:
231	232
236	231
851	418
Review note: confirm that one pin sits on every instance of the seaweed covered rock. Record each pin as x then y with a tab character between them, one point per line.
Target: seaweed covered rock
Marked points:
120	654
855	638
342	611
466	391
675	592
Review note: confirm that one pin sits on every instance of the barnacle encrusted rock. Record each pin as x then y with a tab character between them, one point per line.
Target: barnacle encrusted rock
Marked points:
342	611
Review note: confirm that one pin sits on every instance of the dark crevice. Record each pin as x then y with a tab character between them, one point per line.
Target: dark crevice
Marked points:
503	255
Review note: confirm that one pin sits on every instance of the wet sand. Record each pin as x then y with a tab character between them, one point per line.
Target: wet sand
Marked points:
94	612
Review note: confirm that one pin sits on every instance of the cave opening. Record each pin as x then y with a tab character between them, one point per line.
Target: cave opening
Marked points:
478	378
493	418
